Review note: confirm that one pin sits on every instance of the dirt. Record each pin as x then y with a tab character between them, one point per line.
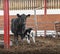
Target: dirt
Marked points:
42	46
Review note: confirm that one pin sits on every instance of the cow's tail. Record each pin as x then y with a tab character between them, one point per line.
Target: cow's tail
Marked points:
12	25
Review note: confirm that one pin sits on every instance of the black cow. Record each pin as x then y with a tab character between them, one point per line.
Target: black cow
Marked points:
18	26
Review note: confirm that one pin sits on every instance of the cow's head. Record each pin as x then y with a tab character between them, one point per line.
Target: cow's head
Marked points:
22	18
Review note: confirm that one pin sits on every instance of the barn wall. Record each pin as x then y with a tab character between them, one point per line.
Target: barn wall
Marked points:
44	22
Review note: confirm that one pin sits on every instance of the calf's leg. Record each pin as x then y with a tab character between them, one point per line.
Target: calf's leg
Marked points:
33	36
28	39
33	39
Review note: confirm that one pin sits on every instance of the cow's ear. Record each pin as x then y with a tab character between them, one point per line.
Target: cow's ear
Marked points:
28	15
18	15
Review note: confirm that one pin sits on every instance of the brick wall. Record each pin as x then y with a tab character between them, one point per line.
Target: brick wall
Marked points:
44	22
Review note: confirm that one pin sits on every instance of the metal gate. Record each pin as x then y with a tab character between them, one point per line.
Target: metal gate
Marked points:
24	5
28	5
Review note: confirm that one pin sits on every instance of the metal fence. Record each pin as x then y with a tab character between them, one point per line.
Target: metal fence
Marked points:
53	4
25	4
31	4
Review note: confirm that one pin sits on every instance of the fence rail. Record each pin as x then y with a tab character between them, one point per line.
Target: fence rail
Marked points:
31	4
53	4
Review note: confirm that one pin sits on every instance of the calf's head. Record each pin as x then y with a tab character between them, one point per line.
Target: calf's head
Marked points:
22	18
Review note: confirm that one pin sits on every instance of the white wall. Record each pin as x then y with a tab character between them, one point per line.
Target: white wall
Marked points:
38	12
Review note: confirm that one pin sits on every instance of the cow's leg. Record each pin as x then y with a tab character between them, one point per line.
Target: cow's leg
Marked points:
21	35
22	32
23	28
16	39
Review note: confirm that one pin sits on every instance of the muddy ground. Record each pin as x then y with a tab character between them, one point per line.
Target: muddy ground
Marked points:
42	46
